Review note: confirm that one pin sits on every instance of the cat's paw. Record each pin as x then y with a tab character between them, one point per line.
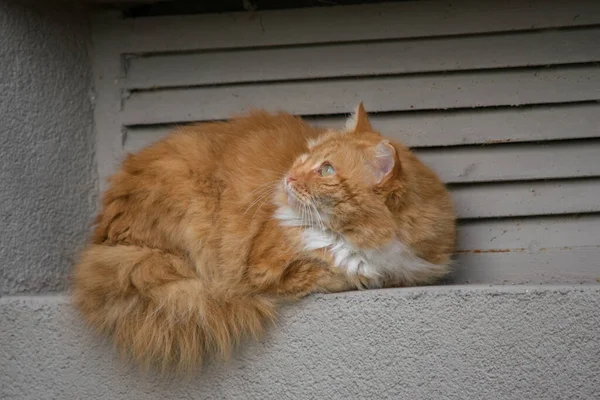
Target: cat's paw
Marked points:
354	264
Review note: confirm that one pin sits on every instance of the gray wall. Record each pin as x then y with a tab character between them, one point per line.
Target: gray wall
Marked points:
511	342
47	167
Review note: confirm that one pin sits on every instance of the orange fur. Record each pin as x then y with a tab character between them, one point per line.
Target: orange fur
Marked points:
188	256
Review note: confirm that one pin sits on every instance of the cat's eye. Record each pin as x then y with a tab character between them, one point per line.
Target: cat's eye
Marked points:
326	169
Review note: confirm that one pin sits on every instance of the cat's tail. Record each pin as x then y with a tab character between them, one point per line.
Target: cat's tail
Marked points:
158	311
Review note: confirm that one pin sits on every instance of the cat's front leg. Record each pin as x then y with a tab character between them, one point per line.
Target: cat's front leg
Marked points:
300	277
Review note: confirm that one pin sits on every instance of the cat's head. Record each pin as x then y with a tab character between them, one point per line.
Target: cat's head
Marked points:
344	181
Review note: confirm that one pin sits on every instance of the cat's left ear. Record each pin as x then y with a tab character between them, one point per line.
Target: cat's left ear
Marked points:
359	121
384	162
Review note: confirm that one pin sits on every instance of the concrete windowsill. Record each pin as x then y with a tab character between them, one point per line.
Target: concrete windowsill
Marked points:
437	342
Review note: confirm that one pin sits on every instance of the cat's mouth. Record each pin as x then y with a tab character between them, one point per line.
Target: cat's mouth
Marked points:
303	204
296	196
292	196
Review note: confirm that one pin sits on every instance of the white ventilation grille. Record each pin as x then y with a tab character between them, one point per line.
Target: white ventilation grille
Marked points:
499	97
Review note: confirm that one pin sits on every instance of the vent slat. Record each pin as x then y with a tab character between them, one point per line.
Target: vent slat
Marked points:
553	265
488	164
529	233
351	23
364	59
515	162
451	128
485	125
527	198
427	92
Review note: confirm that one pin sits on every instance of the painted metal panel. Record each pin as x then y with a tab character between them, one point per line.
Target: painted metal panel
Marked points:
527	198
451	127
505	162
531	234
552	265
440	77
420	92
520	49
492	163
352	23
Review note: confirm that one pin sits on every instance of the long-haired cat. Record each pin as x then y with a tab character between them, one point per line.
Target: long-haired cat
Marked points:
203	233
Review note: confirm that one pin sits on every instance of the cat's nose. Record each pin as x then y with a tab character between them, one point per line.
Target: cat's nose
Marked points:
290	179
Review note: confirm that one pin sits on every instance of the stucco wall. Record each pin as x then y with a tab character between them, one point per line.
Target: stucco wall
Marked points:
47	168
473	342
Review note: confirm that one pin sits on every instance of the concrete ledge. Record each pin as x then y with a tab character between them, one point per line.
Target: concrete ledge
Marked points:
508	342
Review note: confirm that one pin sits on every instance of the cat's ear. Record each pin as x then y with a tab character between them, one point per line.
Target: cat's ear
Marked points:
359	121
384	162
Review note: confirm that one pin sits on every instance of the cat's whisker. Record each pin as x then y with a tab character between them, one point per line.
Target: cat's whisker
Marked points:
266	194
313	218
259	188
304	215
266	198
318	215
258	198
307	215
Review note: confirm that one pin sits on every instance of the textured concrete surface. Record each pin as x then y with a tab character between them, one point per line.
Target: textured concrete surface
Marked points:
512	342
47	168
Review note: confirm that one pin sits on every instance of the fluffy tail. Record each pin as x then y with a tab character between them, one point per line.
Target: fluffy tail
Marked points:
157	310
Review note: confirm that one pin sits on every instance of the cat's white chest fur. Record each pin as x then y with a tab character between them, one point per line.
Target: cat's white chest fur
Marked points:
393	260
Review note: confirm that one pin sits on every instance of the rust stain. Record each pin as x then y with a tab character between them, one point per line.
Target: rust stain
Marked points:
522	249
597	279
494	141
478	251
560	248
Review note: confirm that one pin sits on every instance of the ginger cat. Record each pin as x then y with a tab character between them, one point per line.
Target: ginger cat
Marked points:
203	233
